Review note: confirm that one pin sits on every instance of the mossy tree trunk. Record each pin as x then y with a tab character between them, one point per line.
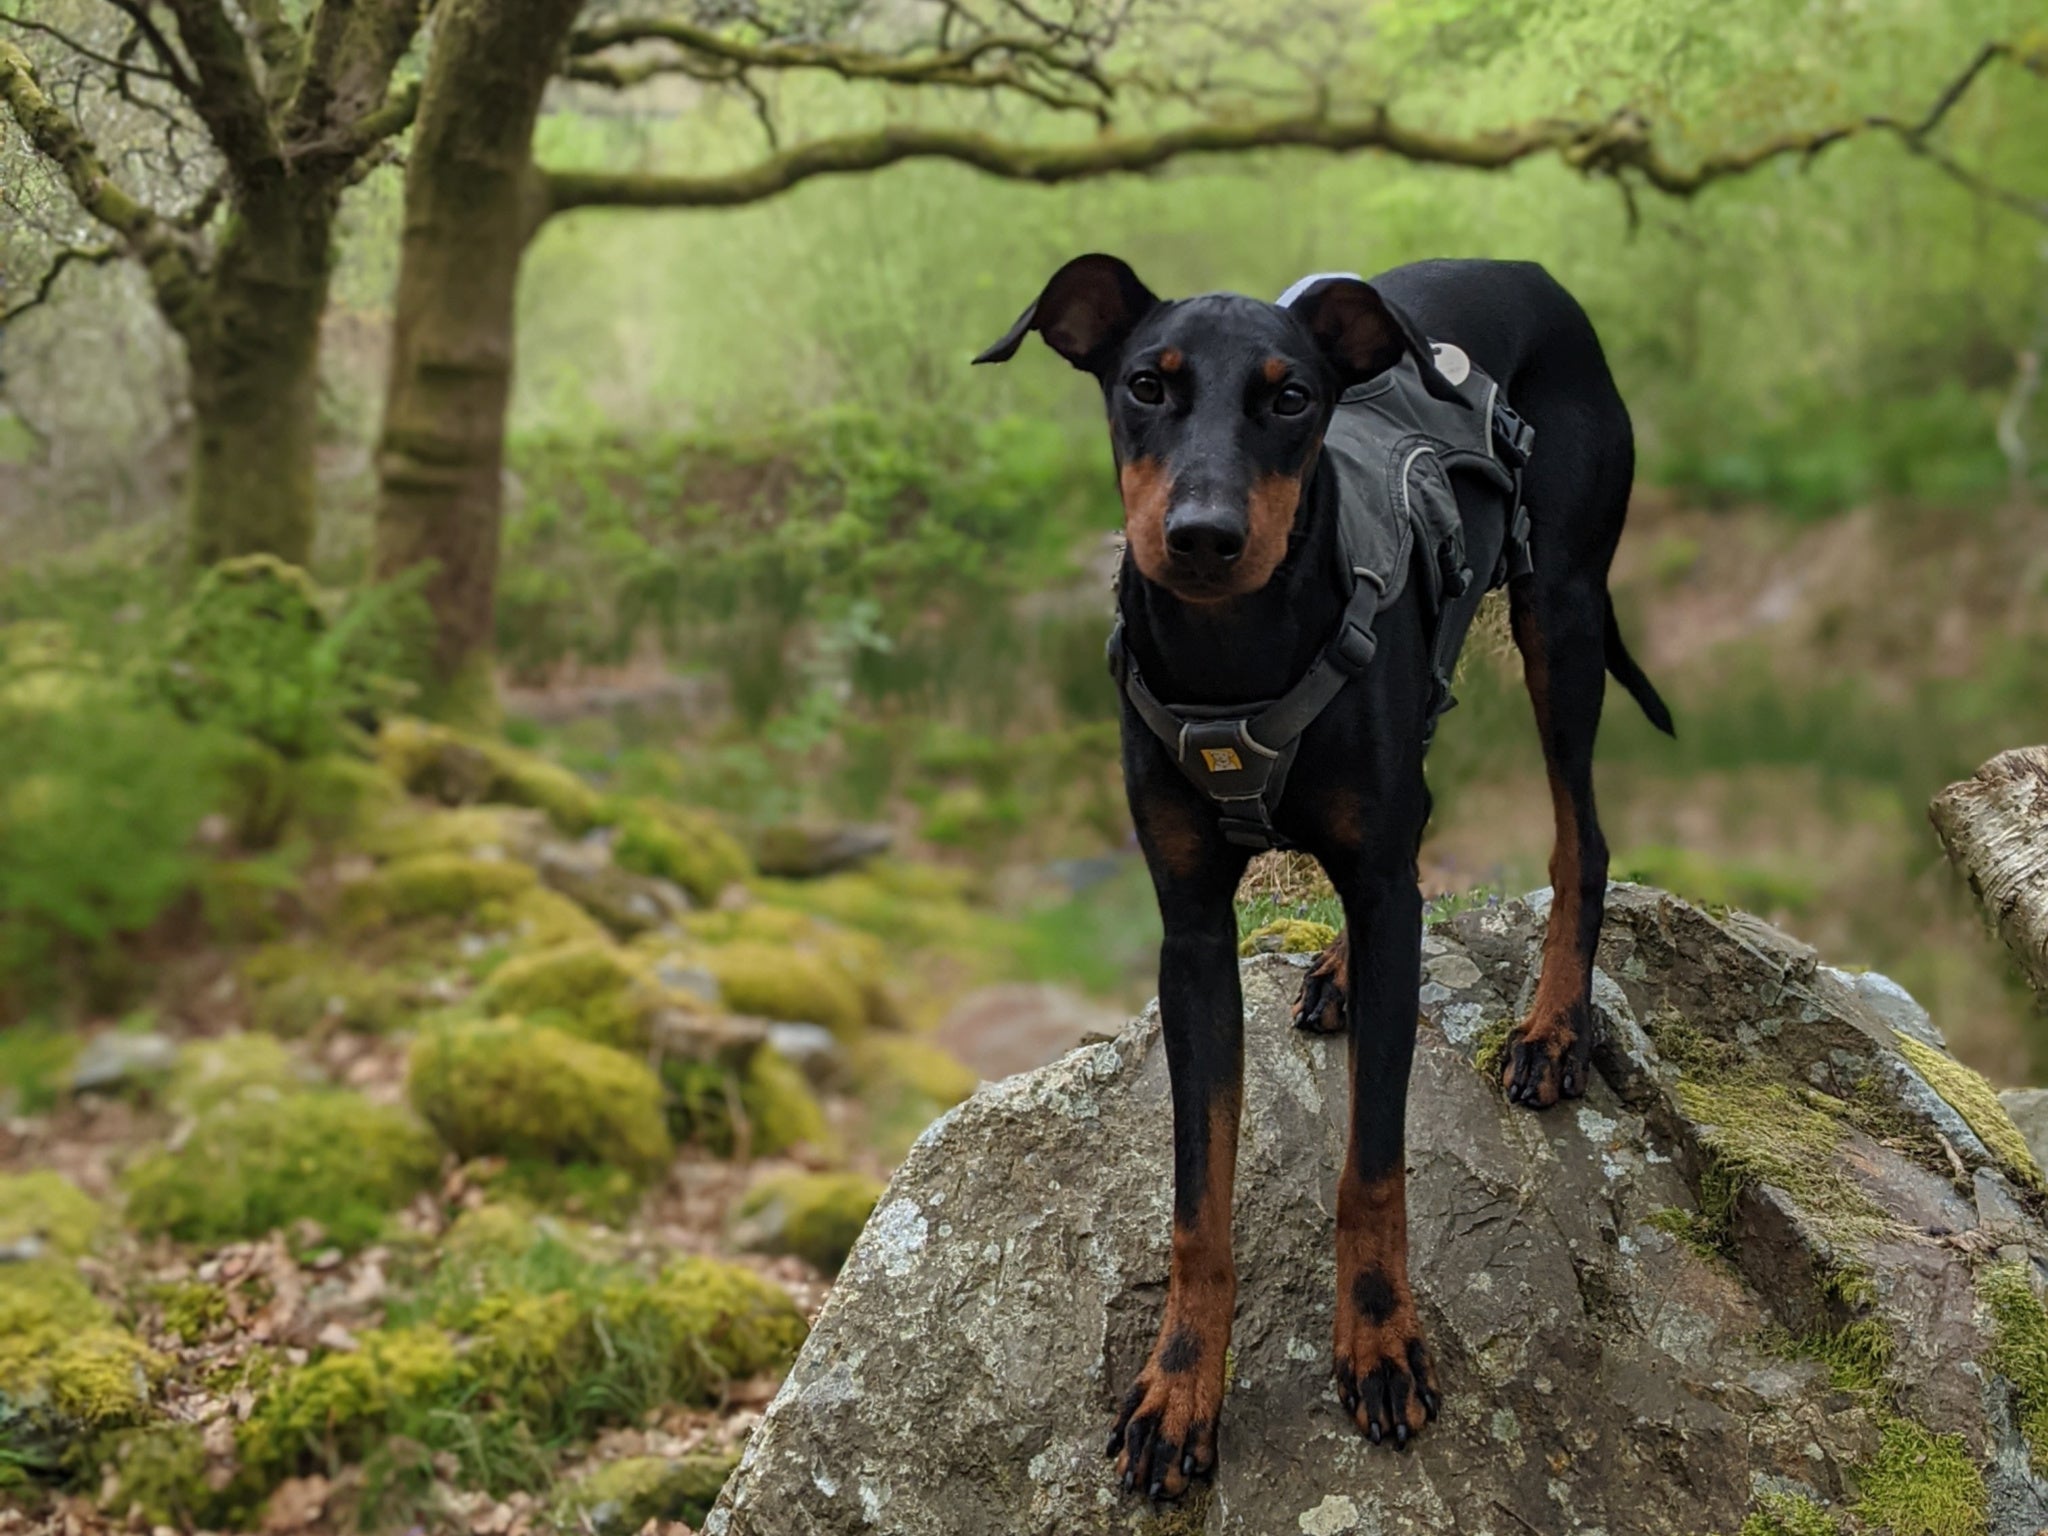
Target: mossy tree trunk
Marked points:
254	353
1995	828
472	200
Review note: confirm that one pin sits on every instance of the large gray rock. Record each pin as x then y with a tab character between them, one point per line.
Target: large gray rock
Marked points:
1615	1358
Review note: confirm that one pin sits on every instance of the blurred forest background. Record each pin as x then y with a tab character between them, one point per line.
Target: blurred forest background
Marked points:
774	569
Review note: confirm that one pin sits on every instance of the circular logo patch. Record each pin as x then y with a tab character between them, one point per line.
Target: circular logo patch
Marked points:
1451	361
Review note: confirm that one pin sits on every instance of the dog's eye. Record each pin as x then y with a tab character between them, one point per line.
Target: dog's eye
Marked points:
1147	388
1291	401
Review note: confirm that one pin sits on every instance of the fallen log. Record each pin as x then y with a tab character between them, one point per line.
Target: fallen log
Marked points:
1995	828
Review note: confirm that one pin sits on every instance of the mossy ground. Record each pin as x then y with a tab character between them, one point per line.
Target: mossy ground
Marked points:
257	1164
815	1216
407	1019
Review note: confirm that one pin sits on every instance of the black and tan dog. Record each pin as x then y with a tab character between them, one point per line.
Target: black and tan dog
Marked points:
1230	591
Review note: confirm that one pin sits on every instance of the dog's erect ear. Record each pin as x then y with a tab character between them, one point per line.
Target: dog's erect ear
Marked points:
1363	333
1091	305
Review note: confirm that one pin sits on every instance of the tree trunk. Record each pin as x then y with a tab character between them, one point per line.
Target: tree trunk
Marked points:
472	200
254	356
1995	828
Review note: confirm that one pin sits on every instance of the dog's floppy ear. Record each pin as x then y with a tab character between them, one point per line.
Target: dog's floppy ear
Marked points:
1363	333
1084	314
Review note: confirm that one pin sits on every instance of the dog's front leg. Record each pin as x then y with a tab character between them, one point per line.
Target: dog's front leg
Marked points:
1166	1432
1384	1377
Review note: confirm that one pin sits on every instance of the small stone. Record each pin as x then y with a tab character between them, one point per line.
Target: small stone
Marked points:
117	1058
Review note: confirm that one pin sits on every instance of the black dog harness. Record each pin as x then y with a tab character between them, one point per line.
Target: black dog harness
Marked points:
1394	448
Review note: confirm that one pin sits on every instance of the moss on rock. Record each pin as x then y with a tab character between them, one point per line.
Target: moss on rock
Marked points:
764	1108
507	1087
676	843
1288	936
1972	1097
1922	1482
45	1204
307	989
192	1309
254	1165
815	1216
457	769
64	1367
212	1073
594	990
777	983
621	1497
434	885
1779	1514
2019	1349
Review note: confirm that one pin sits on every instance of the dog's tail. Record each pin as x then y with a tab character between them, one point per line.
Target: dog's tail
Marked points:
1630	676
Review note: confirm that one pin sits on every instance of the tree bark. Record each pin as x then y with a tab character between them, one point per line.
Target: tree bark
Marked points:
1995	828
255	365
472	200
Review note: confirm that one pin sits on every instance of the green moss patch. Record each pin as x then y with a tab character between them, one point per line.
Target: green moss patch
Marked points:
676	843
815	1216
1779	1514
759	1110
1288	936
64	1367
308	989
341	1405
35	1063
772	982
1922	1482
457	769
593	990
2019	1349
44	1204
506	1087
1972	1097
158	1473
914	905
434	885
906	1084
213	1073
255	1165
621	1497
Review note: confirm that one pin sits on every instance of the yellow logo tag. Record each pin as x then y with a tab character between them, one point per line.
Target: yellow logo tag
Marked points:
1221	759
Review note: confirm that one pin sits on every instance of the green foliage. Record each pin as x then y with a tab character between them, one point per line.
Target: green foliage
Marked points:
45	1204
764	1108
159	1473
258	1164
1779	1514
99	799
906	1083
504	1087
35	1063
815	1216
259	650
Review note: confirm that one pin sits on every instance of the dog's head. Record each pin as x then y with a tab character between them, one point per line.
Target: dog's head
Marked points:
1217	407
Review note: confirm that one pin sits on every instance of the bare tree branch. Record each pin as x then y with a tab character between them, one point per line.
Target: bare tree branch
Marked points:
167	57
94	257
119	66
158	246
994	63
1620	146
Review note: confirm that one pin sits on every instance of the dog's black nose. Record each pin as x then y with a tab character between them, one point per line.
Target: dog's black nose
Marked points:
1204	536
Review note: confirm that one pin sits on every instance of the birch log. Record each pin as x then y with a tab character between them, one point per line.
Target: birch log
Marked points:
1995	828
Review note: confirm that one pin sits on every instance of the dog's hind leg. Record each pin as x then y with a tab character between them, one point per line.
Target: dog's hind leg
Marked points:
1560	627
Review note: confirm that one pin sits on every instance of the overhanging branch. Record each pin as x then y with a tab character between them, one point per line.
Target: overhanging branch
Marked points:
1620	147
97	256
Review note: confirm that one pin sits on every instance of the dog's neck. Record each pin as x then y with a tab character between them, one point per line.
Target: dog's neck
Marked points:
1244	649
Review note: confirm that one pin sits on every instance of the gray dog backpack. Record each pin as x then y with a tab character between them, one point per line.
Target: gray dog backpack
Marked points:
1403	459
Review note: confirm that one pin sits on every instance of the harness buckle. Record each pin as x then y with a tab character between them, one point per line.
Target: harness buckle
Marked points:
1514	436
1352	650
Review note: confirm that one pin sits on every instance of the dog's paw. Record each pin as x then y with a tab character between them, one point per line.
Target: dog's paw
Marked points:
1384	1376
1320	1008
1549	1059
1165	1437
